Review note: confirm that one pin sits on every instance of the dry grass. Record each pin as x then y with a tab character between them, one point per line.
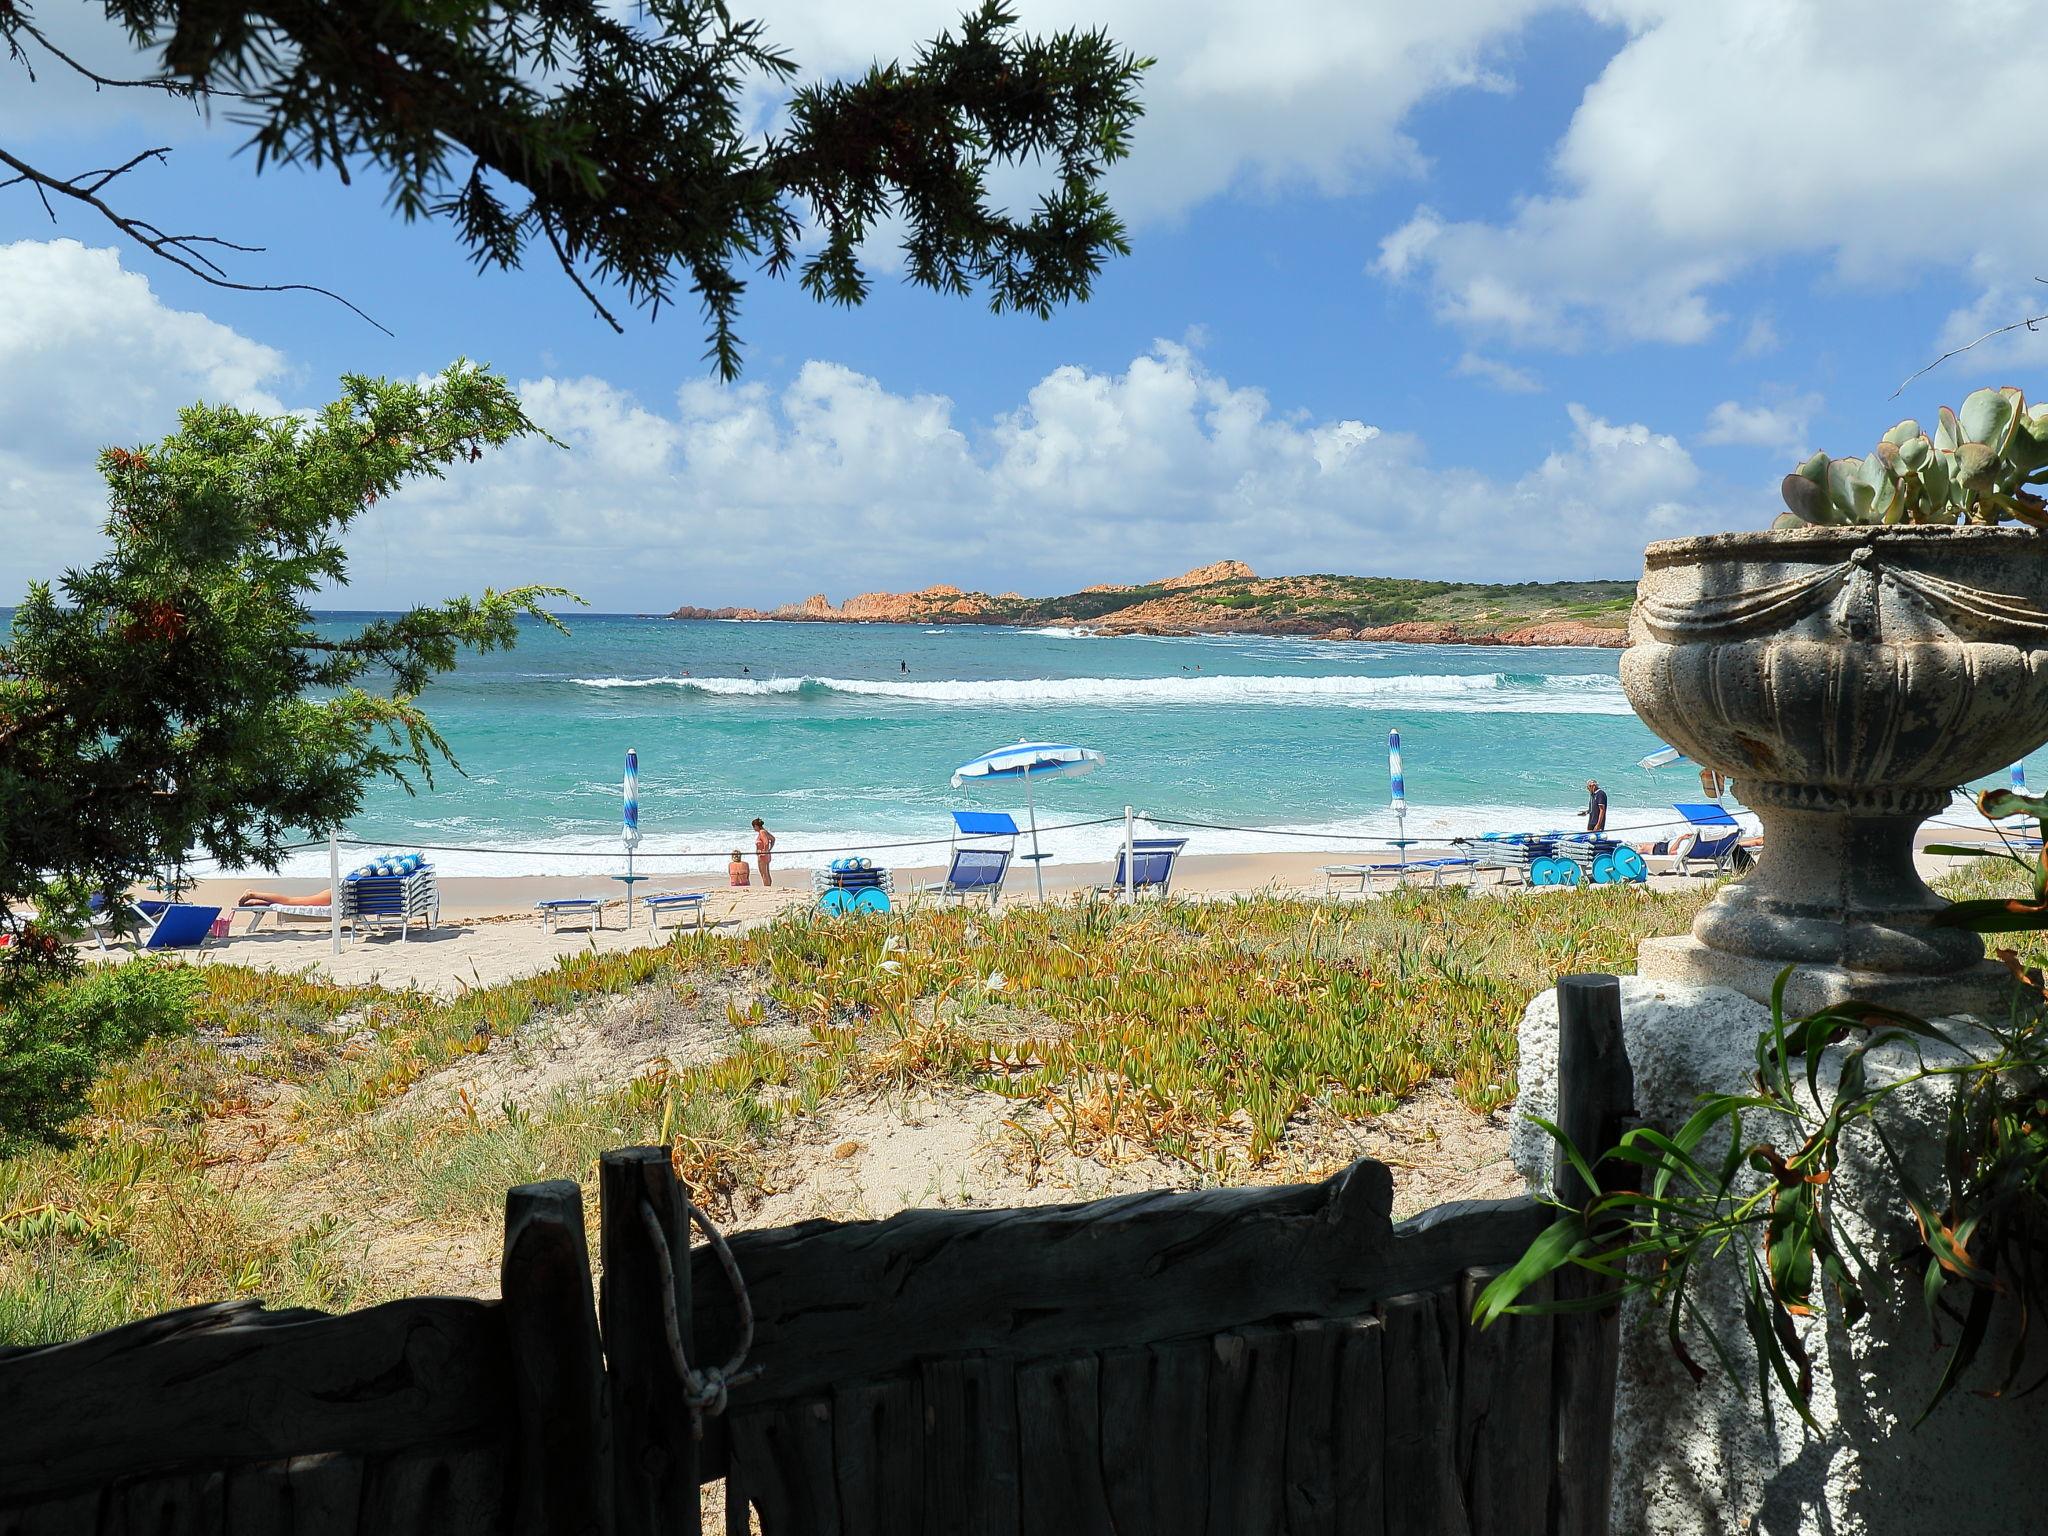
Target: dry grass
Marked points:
1197	1033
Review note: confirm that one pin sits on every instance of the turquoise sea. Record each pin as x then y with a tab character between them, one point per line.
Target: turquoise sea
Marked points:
844	735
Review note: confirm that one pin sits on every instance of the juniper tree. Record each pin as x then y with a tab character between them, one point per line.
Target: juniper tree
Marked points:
614	140
179	695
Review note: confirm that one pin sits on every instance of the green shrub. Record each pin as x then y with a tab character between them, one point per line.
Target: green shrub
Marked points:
55	1038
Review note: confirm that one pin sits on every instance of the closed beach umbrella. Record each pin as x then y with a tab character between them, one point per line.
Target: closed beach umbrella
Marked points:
2019	778
632	798
1400	792
631	789
1030	760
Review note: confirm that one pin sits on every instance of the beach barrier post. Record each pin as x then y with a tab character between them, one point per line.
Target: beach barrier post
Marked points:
1130	854
334	892
654	1454
1595	1101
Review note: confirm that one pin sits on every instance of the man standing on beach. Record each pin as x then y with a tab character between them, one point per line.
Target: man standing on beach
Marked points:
1596	807
764	844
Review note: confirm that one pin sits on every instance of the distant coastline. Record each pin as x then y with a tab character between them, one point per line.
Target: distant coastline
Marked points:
1229	598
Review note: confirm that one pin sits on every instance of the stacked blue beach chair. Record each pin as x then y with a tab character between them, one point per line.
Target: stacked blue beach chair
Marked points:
852	885
399	889
1561	858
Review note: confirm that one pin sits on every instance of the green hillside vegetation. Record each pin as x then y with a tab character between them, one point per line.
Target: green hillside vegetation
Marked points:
1324	601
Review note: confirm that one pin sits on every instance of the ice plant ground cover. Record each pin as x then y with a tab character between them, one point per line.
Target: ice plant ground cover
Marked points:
1188	1032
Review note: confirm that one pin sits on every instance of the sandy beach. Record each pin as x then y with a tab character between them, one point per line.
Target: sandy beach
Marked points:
490	932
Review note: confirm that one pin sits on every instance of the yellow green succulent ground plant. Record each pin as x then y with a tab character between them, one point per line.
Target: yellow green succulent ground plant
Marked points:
200	1172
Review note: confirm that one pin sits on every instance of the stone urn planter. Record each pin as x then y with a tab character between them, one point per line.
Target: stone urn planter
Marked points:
1846	679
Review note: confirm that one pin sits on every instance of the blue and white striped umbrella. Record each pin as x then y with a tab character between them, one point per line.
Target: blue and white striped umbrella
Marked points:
2019	778
1400	793
1663	757
632	789
1030	760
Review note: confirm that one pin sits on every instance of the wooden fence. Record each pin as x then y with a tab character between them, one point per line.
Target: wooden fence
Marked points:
1240	1361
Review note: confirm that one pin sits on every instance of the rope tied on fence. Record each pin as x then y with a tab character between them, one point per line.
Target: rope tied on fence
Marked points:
704	1389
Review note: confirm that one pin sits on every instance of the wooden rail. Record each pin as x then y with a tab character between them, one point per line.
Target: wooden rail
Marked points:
1280	1360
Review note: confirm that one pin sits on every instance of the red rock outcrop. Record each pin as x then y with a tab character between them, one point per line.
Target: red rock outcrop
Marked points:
1209	575
1566	632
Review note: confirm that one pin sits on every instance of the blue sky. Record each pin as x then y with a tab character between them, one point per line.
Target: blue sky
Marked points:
1491	288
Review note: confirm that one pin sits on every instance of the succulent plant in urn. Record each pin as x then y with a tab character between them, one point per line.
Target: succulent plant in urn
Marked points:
1884	643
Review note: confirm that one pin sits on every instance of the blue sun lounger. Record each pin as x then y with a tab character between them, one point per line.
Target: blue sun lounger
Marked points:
1716	836
555	908
181	927
1365	874
677	902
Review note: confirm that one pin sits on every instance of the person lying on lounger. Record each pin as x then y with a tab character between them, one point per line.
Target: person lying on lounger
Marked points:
279	899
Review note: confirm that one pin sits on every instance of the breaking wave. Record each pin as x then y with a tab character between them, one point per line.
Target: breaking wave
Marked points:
1477	692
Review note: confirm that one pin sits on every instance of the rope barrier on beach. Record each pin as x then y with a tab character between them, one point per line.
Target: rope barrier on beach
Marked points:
1365	839
685	853
1370	839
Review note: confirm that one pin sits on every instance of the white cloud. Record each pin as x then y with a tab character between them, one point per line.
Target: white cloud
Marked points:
1993	328
1760	339
1781	426
834	482
1311	94
59	104
1719	136
1505	377
1612	472
89	356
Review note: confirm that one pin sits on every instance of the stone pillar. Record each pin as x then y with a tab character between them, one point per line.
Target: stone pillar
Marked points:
1703	1460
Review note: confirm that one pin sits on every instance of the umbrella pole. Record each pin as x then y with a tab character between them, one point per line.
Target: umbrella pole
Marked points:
1037	858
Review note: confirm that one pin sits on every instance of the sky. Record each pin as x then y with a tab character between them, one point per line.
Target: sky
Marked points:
1481	289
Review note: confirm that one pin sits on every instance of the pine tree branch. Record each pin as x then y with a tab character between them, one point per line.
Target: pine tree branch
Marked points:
182	251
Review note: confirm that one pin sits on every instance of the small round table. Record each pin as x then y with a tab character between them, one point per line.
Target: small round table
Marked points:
629	881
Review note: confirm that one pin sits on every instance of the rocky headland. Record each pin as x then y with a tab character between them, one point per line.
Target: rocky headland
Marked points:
1228	597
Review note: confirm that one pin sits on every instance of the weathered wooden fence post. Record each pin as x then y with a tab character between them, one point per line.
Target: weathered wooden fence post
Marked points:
1595	1097
654	1452
562	1442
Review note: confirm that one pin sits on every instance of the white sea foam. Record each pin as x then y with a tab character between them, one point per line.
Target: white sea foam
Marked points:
1064	632
1464	693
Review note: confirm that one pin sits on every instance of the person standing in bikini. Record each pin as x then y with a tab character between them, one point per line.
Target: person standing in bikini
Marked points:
764	844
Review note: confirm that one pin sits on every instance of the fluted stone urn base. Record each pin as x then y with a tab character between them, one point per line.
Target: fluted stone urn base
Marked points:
1844	679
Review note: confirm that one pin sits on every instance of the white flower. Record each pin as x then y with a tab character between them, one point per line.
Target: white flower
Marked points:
996	981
